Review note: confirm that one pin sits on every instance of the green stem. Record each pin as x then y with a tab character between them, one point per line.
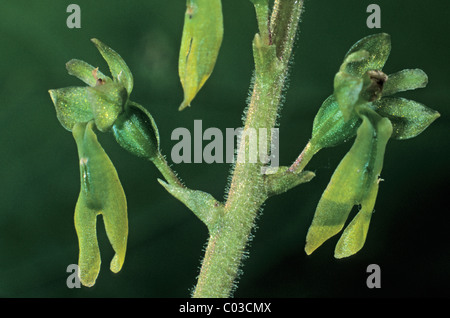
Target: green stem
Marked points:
161	164
262	16
305	156
227	242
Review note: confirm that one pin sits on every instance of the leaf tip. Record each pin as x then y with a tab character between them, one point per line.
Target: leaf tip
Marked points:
52	94
309	249
184	104
164	184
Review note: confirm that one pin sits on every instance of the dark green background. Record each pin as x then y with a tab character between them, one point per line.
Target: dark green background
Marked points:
409	234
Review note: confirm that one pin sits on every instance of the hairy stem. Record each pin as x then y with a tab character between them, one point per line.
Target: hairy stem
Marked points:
303	159
161	164
227	242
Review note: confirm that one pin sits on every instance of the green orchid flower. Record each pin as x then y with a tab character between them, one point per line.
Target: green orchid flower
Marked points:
361	105
361	81
103	100
103	105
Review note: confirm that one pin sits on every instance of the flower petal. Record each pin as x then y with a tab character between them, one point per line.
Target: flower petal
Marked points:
84	72
89	254
344	190
354	236
119	69
101	193
352	180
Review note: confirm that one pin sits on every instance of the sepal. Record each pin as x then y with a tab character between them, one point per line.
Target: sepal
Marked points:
405	80
72	105
378	47
409	118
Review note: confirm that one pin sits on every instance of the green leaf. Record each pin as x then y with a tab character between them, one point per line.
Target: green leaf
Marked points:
409	118
72	105
101	193
378	46
329	127
353	180
200	45
85	72
136	131
405	80
203	204
119	69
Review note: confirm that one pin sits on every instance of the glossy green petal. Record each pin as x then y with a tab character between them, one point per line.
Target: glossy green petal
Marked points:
378	46
101	193
352	180
72	105
85	72
119	69
409	118
405	80
354	236
200	45
329	126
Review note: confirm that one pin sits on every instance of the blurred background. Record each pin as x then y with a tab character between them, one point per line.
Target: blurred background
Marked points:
409	233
